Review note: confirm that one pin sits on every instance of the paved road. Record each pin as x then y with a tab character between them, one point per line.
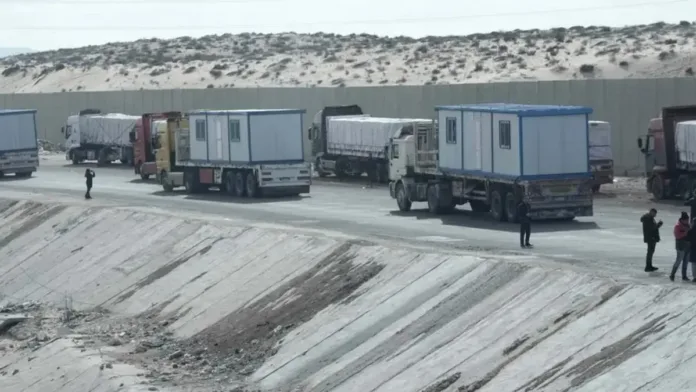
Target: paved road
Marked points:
610	241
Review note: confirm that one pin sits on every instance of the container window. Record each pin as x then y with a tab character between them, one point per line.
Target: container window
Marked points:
504	137
235	133
451	124
200	129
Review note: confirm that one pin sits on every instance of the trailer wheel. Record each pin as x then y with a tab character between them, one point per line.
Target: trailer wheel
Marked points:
101	158
230	183
191	182
657	188
75	161
317	168
239	184
595	188
433	200
402	198
497	206
252	187
511	207
479	206
164	180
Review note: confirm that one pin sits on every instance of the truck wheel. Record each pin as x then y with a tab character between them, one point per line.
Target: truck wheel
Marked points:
317	167
230	183
497	207
23	174
239	184
479	206
595	188
144	176
402	198
75	161
433	200
190	182
657	188
252	187
164	180
511	207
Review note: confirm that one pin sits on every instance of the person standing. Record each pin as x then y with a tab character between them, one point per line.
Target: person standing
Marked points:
651	236
523	211
89	175
681	230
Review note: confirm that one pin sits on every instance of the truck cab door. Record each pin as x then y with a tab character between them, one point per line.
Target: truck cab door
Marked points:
648	151
397	160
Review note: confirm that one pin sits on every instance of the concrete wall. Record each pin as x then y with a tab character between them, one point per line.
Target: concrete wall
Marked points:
628	104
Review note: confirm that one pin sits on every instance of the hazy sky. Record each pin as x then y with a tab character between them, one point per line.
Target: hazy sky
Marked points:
52	24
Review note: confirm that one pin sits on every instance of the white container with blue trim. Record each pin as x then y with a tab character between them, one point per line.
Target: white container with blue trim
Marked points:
19	148
246	152
491	156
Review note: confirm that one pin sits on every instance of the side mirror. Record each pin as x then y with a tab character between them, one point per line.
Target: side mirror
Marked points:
640	143
131	136
309	134
62	129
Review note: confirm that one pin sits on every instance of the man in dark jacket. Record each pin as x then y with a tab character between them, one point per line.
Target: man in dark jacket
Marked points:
681	230
523	211
691	202
651	236
89	175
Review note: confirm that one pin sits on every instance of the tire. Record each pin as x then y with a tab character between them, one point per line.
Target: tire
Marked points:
164	180
498	207
75	161
433	200
252	187
101	158
479	206
240	184
23	174
229	183
595	188
511	207
402	198
144	176
190	182
657	188
320	172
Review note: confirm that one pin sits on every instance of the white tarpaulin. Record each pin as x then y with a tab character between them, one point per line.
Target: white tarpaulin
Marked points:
600	140
685	140
107	129
364	136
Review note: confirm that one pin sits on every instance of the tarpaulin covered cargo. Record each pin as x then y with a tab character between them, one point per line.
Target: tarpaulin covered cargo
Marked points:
18	130
600	140
365	136
685	140
110	129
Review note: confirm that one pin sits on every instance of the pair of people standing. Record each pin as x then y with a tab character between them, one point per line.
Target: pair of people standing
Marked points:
685	245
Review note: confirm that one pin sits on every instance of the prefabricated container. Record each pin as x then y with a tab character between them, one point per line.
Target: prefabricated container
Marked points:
600	141
247	136
365	136
514	141
685	141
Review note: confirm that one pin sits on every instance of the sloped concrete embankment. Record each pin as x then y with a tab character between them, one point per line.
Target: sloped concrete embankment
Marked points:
316	313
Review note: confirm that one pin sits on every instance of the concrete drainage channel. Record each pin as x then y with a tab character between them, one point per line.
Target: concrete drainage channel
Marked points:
118	299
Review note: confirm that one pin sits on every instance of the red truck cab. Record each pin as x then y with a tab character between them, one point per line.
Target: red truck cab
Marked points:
144	143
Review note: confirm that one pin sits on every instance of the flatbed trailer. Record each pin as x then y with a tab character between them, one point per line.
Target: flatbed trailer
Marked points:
492	156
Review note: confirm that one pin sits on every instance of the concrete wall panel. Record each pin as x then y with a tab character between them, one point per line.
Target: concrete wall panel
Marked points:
627	104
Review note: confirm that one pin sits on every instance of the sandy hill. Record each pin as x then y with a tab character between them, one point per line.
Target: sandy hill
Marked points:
330	60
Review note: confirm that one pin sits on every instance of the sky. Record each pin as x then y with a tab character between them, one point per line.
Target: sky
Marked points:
53	24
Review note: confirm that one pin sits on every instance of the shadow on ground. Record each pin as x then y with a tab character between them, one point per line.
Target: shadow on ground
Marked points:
465	218
221	197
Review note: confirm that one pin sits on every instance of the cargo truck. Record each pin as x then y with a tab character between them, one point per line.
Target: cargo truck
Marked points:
346	143
142	138
93	136
668	174
250	153
19	147
601	158
491	156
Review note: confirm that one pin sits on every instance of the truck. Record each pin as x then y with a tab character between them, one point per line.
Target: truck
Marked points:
93	136
19	146
244	153
492	156
667	176
347	143
143	138
601	158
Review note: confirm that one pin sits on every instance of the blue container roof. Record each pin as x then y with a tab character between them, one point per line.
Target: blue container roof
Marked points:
7	112
248	111
530	110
